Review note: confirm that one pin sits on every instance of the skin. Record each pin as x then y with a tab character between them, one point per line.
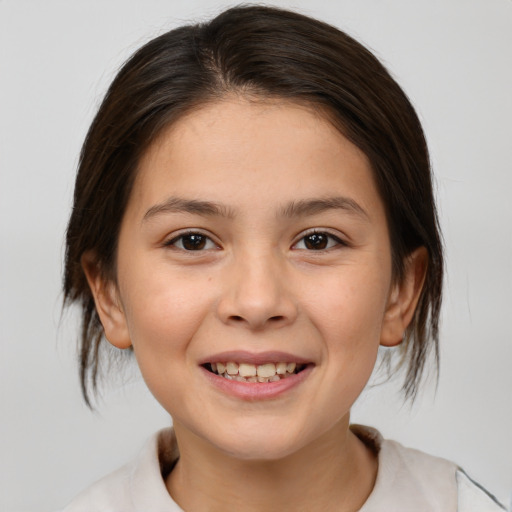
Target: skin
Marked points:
257	286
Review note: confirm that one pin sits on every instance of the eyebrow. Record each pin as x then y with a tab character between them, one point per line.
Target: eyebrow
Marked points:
180	205
299	208
315	206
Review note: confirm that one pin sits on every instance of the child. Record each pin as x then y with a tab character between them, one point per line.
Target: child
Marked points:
253	217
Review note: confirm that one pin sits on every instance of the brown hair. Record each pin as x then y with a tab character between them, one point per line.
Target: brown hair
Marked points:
269	53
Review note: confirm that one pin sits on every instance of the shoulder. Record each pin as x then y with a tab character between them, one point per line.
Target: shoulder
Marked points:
442	481
108	494
409	479
137	486
473	497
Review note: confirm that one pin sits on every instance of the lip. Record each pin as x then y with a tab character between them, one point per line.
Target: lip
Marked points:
256	358
255	391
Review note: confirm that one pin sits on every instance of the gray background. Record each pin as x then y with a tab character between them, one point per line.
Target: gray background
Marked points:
453	58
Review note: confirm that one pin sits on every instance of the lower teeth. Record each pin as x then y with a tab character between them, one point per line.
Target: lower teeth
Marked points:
274	378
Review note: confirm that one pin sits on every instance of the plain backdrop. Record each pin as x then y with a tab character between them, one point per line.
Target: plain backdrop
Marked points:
454	60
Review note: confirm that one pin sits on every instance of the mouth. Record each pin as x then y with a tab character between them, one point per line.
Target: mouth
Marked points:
251	373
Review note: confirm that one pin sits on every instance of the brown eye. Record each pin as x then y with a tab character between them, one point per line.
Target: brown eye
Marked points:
318	241
192	242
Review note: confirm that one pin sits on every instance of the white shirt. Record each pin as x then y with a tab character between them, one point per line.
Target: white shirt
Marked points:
407	481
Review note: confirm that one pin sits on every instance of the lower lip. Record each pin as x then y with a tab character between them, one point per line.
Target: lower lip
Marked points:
252	391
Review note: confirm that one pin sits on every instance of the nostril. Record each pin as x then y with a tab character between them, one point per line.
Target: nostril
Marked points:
272	319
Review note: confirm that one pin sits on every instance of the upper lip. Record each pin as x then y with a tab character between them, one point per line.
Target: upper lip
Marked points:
256	358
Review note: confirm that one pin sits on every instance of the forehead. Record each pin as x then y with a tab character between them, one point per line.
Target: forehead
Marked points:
242	152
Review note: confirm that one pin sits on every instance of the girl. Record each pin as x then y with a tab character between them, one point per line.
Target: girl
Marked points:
253	217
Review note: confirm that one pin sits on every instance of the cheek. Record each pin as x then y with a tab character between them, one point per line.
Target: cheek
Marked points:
349	313
163	316
162	321
352	305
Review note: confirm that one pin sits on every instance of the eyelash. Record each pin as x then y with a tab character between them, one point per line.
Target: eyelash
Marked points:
190	234
202	238
329	237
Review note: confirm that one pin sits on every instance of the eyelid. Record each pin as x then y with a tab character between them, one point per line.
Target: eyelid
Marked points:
340	240
171	240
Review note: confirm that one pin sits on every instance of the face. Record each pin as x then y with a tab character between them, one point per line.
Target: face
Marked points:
254	239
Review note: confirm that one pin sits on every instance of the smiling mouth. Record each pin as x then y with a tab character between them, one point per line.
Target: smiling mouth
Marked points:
245	372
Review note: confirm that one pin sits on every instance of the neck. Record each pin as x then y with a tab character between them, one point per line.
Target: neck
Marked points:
335	472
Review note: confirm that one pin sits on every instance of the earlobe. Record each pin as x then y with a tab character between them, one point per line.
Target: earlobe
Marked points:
107	303
403	298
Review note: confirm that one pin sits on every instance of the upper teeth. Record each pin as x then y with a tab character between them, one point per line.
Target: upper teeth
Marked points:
266	370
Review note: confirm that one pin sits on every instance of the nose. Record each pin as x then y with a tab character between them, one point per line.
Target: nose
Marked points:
256	294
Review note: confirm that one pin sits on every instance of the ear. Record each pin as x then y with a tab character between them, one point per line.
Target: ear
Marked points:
403	298
107	302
